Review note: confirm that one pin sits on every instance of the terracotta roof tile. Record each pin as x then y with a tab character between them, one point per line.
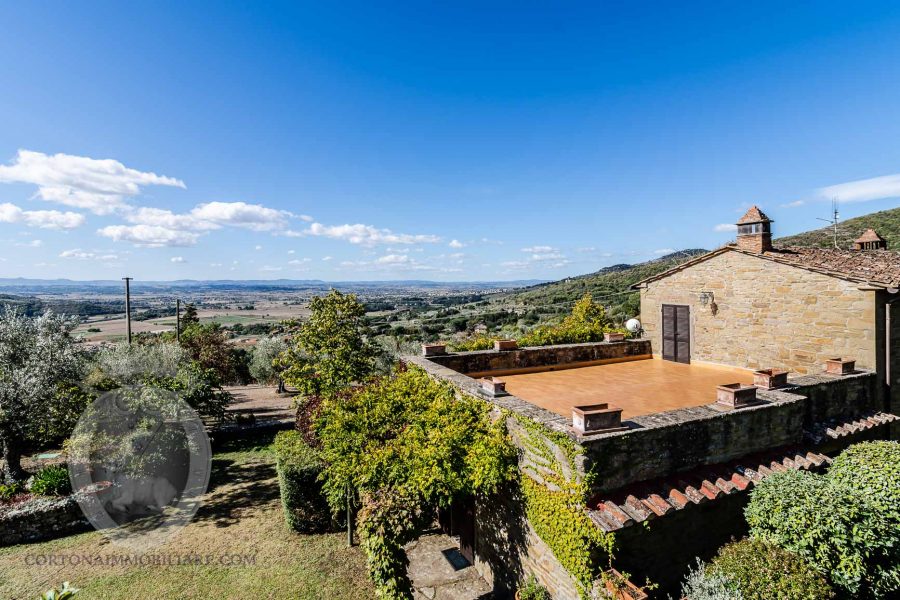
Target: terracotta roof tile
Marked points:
640	502
754	215
870	235
833	430
881	267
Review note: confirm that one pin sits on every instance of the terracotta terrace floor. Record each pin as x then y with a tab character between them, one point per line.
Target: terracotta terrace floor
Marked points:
639	387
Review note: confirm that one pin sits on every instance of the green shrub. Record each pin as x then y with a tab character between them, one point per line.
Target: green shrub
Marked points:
478	342
761	570
51	481
299	466
703	584
835	528
532	590
587	323
872	468
8	490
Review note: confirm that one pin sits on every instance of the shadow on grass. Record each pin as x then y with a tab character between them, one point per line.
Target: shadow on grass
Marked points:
236	488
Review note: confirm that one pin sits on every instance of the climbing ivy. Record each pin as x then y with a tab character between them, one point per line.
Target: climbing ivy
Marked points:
555	495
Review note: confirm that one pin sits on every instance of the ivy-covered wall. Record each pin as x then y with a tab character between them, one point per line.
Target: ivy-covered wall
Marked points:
541	528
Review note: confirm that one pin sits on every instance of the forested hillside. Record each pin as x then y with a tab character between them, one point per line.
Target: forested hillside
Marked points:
886	222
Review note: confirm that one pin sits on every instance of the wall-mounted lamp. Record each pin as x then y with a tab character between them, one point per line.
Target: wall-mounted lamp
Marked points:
709	299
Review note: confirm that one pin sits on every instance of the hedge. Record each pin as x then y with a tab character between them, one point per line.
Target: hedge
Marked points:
761	570
299	466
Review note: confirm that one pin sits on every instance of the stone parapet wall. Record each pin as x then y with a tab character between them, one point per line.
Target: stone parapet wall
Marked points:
665	443
767	315
508	551
542	357
42	519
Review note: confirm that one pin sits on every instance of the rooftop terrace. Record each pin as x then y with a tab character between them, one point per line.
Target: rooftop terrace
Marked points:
641	386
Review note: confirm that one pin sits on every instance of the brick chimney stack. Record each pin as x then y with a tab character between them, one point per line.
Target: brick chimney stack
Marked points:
754	233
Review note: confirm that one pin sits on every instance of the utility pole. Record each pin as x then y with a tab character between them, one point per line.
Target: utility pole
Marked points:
178	320
128	306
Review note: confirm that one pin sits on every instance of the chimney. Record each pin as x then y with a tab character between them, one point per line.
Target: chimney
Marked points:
870	240
754	231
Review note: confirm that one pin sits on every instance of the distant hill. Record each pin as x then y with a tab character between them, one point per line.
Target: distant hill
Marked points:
610	285
886	223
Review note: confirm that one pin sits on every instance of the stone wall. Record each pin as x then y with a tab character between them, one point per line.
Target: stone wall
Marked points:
895	357
679	440
42	519
767	314
542	357
508	551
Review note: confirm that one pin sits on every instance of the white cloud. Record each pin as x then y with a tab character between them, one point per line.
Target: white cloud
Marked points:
725	227
793	204
79	254
268	269
327	258
257	248
545	254
100	186
456	244
178	259
215	264
292	251
43	219
299	261
31	244
255	217
367	235
394	259
148	235
159	217
662	251
862	190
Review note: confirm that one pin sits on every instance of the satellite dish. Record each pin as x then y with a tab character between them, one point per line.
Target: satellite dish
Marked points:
633	325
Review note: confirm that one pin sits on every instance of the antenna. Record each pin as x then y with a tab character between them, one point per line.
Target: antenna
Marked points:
833	220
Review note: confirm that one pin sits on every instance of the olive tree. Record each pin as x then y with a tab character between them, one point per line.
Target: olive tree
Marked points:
37	356
264	364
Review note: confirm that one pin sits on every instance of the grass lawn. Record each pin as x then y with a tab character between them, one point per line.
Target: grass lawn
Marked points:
241	518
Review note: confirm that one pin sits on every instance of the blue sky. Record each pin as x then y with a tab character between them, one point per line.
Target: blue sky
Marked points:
471	141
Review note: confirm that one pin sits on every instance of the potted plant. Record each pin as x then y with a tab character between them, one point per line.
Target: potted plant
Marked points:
735	395
532	590
619	586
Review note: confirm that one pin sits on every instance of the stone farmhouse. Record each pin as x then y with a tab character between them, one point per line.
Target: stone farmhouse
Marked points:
754	359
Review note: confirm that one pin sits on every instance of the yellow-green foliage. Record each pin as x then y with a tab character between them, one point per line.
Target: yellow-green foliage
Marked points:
407	444
478	342
587	323
555	498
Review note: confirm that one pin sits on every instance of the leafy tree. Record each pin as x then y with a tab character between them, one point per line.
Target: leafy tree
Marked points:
265	366
37	357
333	348
190	316
407	444
208	345
165	366
872	468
